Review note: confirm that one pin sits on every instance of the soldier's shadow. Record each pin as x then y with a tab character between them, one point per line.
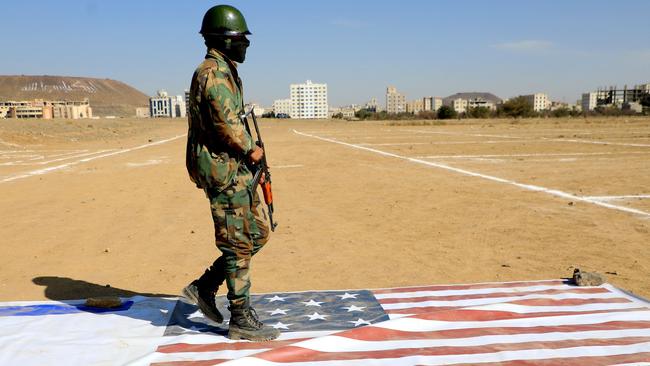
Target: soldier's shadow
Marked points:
184	317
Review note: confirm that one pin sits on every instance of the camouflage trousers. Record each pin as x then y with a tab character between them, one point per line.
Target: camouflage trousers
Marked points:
240	232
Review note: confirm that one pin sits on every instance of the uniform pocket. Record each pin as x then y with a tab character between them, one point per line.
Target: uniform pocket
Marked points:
215	170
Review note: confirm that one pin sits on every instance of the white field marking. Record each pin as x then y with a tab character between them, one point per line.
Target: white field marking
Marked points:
525	155
68	157
528	187
445	143
144	163
286	166
62	166
596	142
615	198
543	138
468	134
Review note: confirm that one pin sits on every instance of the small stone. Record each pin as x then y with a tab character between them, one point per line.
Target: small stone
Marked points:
107	250
587	278
192	232
505	265
150	140
571	203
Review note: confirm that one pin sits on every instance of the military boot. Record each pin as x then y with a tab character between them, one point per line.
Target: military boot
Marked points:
244	324
205	299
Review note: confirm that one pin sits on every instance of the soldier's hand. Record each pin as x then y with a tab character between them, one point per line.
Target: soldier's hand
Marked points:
256	155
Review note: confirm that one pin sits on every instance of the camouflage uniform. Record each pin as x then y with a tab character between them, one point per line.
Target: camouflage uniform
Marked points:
218	146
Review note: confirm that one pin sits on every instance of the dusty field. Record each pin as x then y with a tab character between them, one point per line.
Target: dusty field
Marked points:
88	204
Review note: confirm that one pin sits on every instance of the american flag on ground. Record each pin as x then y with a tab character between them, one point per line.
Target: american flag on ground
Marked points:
511	323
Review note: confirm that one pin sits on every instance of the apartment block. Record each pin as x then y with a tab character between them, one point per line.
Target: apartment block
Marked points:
395	102
460	105
539	101
282	106
589	101
309	100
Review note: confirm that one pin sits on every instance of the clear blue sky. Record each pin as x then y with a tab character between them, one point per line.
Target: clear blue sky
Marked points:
422	47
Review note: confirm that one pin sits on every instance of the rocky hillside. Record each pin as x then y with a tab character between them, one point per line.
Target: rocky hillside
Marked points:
107	97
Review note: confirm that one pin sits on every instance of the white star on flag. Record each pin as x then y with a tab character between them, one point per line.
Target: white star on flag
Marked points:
316	316
354	308
277	311
275	298
280	325
359	322
312	303
348	296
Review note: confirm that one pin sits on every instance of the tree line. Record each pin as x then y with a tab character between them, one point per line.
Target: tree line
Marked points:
518	107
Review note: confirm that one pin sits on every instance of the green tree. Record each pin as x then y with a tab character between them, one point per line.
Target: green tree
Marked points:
518	107
446	112
561	112
478	112
337	115
363	114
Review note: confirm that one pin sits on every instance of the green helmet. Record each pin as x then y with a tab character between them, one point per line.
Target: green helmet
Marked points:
224	20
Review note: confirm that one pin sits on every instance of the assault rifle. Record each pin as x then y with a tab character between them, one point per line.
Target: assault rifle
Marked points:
262	169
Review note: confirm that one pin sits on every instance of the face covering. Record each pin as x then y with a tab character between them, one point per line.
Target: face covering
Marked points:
235	48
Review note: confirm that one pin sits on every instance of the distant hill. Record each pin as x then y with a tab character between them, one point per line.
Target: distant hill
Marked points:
107	97
472	95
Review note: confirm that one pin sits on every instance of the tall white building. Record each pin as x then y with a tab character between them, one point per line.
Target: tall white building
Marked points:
282	106
395	102
309	100
539	101
589	101
431	103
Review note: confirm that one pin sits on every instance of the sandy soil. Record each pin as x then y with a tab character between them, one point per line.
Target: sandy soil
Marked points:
91	204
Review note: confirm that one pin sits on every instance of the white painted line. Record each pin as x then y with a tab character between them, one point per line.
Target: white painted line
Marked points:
395	144
528	187
614	198
446	143
62	166
597	142
528	155
145	163
467	134
68	157
286	166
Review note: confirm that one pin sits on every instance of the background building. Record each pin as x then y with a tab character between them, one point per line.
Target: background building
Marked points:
46	109
163	105
395	102
539	101
589	101
282	106
309	100
431	103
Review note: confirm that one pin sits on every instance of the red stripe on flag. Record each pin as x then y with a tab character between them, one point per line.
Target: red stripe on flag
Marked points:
231	346
372	333
570	361
577	290
495	285
526	302
299	354
483	315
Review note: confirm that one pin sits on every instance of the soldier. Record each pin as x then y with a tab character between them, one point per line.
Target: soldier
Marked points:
220	155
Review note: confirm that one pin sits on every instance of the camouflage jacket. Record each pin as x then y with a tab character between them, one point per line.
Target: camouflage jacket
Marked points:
217	141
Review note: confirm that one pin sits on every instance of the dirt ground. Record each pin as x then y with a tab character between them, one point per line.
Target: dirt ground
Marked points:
100	207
